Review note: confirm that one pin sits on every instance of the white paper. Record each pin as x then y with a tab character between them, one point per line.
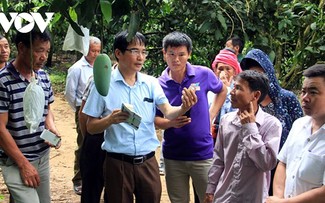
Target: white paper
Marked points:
134	119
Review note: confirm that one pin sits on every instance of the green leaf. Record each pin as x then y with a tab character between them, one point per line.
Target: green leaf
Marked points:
272	56
322	48
297	5
205	26
218	35
133	26
4	5
310	49
213	15
288	12
73	14
56	18
62	8
106	8
263	40
281	25
222	21
313	26
86	13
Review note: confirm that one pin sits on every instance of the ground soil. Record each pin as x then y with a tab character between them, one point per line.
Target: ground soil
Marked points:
62	160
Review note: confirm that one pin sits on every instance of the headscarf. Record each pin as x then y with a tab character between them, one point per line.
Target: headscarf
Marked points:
227	57
286	105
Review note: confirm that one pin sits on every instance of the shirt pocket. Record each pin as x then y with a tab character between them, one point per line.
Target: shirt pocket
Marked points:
147	110
312	169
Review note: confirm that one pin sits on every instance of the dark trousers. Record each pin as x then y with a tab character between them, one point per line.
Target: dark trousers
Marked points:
123	179
76	167
92	159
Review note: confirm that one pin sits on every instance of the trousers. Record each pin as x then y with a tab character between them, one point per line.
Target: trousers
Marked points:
92	158
124	181
19	191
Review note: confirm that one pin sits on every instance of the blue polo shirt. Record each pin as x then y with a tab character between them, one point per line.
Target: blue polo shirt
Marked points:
145	95
192	141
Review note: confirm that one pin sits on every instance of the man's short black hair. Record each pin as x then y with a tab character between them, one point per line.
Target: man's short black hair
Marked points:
33	34
256	81
121	42
317	70
177	39
237	41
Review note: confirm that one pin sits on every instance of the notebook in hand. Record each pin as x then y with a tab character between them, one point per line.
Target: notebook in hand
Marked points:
134	119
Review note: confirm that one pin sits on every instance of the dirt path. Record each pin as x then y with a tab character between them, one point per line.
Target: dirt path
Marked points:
62	160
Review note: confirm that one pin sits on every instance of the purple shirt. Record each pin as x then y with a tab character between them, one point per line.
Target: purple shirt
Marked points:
243	158
193	141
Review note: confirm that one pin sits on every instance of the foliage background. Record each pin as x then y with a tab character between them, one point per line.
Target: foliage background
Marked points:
291	32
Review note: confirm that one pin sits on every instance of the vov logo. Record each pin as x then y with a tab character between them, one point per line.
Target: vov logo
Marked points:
19	18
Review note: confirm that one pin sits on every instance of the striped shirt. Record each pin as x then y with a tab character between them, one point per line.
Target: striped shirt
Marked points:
12	88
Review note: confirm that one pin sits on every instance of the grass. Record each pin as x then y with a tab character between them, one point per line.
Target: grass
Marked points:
61	62
57	78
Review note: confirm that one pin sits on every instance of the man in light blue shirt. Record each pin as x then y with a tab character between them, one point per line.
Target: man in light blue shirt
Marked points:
131	168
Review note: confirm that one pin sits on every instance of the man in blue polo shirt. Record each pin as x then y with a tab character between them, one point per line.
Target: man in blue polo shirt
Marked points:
188	144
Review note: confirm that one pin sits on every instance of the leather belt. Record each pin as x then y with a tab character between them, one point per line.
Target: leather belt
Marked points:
135	160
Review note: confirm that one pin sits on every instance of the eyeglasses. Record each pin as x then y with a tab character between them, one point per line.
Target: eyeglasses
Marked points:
137	52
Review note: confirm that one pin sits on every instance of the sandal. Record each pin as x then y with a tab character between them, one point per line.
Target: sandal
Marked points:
77	187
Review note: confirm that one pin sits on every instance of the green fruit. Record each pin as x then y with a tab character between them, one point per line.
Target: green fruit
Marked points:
102	73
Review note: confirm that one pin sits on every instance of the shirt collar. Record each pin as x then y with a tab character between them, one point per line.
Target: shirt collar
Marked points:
260	116
117	76
190	72
308	125
13	71
85	62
